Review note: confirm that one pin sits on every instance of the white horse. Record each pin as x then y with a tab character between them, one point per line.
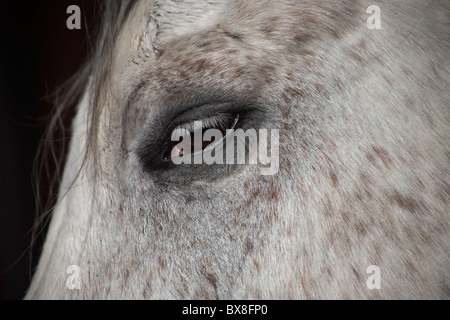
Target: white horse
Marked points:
359	207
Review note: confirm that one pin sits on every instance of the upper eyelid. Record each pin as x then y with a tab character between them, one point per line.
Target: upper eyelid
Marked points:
200	112
163	123
210	121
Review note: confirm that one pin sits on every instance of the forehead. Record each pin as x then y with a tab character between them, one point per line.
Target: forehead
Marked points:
154	25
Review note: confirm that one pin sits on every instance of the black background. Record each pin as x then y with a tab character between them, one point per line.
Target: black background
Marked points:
37	54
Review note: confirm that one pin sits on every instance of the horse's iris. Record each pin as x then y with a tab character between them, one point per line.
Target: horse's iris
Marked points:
221	121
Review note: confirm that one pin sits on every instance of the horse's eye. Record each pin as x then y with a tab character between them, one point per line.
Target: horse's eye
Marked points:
191	129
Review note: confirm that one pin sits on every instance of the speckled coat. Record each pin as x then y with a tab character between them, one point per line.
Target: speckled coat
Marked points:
363	179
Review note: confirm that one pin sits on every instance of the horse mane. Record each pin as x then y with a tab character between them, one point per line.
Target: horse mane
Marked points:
53	147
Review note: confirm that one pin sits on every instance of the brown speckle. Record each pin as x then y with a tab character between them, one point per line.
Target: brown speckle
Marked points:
361	229
406	203
301	38
304	286
320	88
234	35
248	246
366	179
334	178
358	276
161	262
256	265
383	155
295	92
274	195
254	195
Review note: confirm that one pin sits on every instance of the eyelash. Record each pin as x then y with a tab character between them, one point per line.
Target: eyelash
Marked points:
219	121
